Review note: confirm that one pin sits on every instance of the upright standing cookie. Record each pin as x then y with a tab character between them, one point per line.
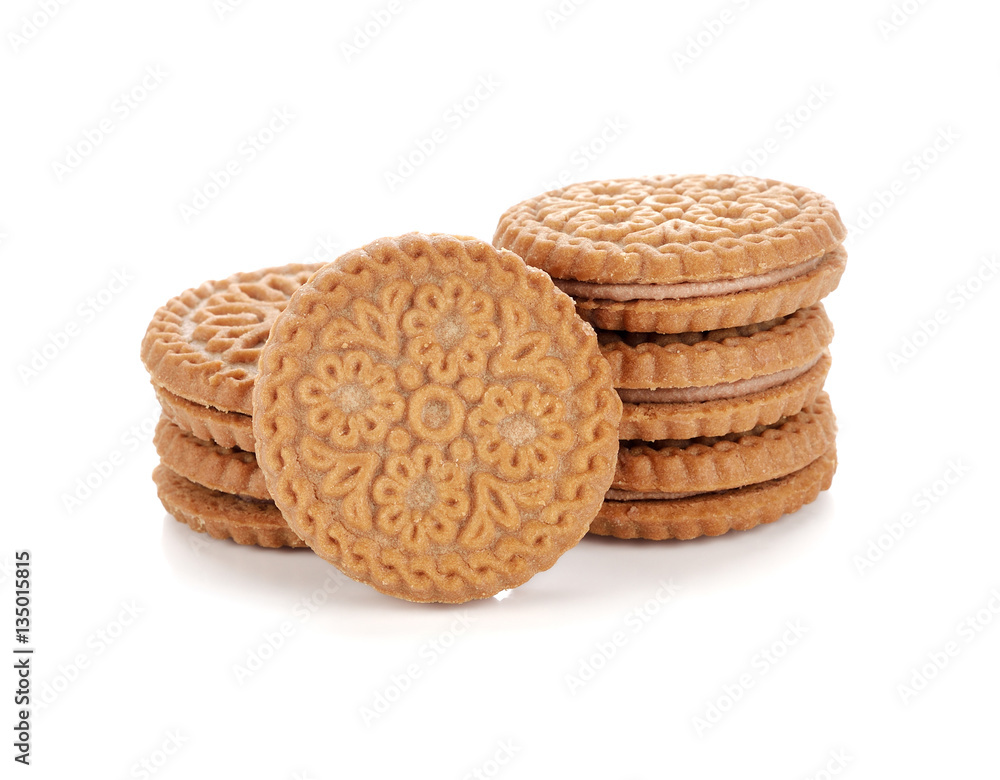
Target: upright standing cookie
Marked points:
674	254
433	418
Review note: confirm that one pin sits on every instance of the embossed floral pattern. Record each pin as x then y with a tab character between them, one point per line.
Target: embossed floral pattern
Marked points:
421	498
520	430
349	399
451	329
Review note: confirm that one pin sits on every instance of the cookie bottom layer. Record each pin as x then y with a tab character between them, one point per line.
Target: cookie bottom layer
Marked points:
713	514
207	464
227	429
720	311
652	422
222	515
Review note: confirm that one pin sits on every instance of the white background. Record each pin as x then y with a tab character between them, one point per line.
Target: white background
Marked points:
922	222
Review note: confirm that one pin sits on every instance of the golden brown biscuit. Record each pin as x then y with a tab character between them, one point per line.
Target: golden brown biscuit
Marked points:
227	470
681	386
706	465
712	514
432	417
227	429
221	515
203	345
673	254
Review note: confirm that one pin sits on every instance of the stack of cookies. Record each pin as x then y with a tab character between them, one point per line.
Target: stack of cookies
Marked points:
705	292
435	417
201	350
427	413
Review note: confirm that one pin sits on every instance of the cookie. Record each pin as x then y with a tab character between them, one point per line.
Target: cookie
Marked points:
204	344
222	515
710	464
227	470
712	514
433	418
681	253
227	429
681	386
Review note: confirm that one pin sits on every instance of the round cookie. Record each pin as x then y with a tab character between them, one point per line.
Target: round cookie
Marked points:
227	429
204	462
681	386
221	515
433	418
674	254
203	345
712	514
706	465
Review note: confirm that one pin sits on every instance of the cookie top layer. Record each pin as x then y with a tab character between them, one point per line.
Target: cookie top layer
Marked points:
433	418
204	344
653	360
671	229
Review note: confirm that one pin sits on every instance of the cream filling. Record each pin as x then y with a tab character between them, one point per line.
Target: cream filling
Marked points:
661	292
635	495
725	390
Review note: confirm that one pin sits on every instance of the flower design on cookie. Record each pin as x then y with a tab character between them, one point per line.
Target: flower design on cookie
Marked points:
520	430
349	399
451	329
421	498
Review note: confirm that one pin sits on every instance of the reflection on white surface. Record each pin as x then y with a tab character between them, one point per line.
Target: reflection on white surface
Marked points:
598	572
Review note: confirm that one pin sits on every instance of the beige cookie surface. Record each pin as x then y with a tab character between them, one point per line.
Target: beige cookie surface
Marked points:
203	345
656	421
227	470
671	229
433	418
705	358
722	463
227	429
222	515
713	514
734	310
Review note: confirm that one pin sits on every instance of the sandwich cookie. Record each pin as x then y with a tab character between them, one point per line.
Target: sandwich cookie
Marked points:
679	254
203	345
709	485
223	515
681	386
